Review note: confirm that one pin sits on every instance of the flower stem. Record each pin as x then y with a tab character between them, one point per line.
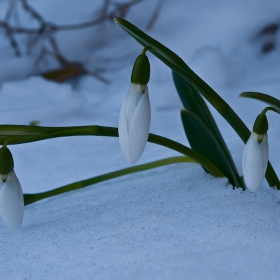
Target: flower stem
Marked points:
269	109
31	198
43	133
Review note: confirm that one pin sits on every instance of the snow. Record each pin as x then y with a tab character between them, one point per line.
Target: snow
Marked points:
173	222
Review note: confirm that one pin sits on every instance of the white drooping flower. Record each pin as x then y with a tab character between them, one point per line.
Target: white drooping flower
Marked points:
135	115
134	122
11	200
11	196
255	159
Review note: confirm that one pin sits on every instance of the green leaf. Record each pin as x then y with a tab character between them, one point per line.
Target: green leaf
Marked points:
264	98
193	102
202	141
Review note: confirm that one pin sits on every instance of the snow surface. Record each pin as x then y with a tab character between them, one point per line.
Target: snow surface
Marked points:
173	222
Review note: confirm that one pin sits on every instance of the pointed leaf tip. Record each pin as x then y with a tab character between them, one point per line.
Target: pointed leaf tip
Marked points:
268	99
118	20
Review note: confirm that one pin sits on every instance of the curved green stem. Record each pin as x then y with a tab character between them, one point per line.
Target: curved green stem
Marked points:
269	109
272	101
55	132
31	198
145	50
173	61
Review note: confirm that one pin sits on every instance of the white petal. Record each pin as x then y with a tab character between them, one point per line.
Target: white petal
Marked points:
132	99
139	128
134	122
255	159
11	201
123	132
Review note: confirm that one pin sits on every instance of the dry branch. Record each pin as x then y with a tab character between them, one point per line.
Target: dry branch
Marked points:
47	31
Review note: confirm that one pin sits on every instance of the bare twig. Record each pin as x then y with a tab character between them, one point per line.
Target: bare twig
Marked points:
10	10
10	35
122	9
119	11
155	15
32	11
47	31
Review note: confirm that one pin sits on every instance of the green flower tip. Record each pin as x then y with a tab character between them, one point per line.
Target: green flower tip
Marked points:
6	161
261	124
141	70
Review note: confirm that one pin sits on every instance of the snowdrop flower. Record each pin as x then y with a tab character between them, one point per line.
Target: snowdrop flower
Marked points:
11	196
255	156
135	114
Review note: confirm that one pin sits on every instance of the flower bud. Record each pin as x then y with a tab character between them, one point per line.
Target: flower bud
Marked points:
261	124
141	70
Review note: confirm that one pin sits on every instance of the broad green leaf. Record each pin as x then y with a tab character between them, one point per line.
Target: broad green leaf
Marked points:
264	98
193	102
202	141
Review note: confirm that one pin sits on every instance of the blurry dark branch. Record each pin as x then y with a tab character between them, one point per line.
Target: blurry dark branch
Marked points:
54	45
47	28
10	10
32	11
155	15
9	33
119	11
13	42
46	32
